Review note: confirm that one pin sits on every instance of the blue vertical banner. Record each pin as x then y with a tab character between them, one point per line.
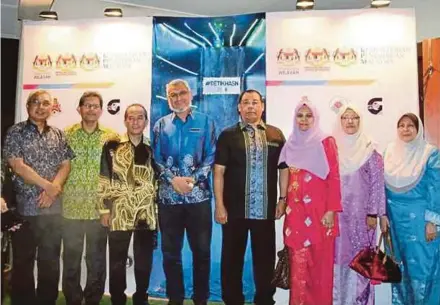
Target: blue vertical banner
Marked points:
219	57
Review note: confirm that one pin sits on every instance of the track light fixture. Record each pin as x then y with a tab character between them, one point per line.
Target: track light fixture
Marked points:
113	12
49	15
305	4
380	3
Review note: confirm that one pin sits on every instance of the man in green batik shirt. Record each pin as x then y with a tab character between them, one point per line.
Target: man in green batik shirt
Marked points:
80	198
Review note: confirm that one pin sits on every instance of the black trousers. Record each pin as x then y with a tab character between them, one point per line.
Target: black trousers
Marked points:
196	220
74	232
143	245
42	233
4	254
235	234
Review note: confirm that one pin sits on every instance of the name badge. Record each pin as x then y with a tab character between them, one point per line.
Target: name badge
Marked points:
195	130
274	144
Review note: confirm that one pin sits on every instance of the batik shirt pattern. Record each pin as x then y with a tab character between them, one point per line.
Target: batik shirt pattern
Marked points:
184	149
256	171
127	186
43	152
80	196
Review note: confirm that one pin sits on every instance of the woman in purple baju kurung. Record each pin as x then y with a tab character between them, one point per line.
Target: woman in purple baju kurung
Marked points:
363	200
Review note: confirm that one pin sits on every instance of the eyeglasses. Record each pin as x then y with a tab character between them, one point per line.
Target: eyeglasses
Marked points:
350	118
91	106
43	104
176	95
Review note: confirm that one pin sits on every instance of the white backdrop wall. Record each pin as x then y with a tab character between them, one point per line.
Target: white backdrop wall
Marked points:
366	57
67	58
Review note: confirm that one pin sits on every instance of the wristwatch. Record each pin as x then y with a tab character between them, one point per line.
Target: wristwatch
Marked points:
282	198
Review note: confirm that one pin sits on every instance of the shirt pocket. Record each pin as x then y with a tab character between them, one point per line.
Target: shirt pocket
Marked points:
55	149
52	142
273	151
273	144
194	138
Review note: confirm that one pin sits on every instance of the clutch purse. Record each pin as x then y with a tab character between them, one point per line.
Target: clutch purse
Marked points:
281	276
374	264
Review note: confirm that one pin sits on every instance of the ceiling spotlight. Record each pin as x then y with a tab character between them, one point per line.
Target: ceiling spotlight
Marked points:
113	12
380	3
305	4
49	15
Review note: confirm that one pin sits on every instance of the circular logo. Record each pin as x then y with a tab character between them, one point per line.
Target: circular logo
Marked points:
113	107
337	103
375	105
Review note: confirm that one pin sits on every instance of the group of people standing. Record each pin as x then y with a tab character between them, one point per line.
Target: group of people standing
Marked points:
335	188
91	182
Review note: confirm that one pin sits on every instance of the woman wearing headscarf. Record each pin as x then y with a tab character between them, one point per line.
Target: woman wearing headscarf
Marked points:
363	200
412	178
309	183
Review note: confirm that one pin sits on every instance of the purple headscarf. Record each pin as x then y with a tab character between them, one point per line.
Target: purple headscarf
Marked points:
304	149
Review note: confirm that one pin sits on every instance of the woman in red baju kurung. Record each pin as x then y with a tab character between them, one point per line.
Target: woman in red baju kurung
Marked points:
309	181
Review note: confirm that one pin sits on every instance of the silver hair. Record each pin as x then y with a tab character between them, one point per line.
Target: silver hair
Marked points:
36	94
178	81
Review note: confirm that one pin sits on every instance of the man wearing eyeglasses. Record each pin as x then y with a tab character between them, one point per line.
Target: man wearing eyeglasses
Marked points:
184	149
39	157
80	199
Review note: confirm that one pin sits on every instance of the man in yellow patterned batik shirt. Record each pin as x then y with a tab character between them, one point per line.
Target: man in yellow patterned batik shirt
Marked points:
80	198
127	187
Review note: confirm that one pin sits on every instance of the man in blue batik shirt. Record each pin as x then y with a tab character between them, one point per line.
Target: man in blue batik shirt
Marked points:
184	150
